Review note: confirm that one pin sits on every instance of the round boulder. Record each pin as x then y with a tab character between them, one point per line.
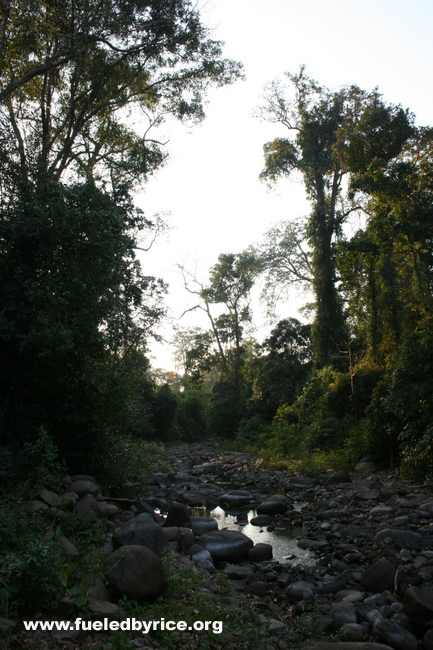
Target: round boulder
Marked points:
227	544
135	572
235	499
143	531
274	505
202	525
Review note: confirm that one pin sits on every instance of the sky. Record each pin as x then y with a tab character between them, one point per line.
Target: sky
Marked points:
209	190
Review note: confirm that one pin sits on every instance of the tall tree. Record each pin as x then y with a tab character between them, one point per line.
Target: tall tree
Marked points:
333	135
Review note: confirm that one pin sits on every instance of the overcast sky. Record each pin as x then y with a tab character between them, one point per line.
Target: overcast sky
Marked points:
210	187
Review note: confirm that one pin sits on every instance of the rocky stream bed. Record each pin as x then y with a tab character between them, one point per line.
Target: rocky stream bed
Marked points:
354	551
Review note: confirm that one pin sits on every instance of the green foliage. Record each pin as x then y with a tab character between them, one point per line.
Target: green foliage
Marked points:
226	409
191	415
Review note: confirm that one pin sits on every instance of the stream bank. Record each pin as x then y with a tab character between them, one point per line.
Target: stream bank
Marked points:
366	576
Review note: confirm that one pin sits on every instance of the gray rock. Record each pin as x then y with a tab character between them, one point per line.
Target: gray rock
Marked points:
82	487
395	636
237	572
108	510
235	499
274	505
418	605
142	531
331	585
379	576
258	588
98	590
261	520
136	572
343	476
7	626
171	533
178	515
186	539
348	645
428	640
201	525
68	549
343	613
101	609
300	590
49	497
194	498
352	632
400	538
260	552
39	505
87	506
227	544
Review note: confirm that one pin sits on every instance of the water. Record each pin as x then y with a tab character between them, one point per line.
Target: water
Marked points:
283	541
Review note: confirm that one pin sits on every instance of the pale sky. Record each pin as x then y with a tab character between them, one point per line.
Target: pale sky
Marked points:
210	186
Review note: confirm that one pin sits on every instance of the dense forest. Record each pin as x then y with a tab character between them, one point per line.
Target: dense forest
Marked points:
84	86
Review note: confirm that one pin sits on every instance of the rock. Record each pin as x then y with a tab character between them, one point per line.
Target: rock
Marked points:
98	591
331	585
348	645
258	588
82	487
101	609
7	626
201	525
142	531
83	477
186	539
261	520
302	482
381	510
236	571
49	497
198	554
260	552
400	538
395	636
418	605
68	549
352	632
365	466
300	590
227	544
178	515
194	498
343	613
135	572
87	506
342	476
235	499
108	510
171	533
379	576
428	640
274	505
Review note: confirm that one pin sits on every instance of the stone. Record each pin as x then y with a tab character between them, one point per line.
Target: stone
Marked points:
348	645
379	576
87	506
343	613
135	572
300	590
302	482
7	626
235	499
68	549
258	588
365	466
178	515
400	538
39	505
418	605
343	476
98	590
201	525
142	531
261	520
49	497
82	487
352	632
198	554
194	498
428	640
108	510
186	539
395	636
260	552
101	609
274	505
236	571
83	477
171	533
227	544
331	585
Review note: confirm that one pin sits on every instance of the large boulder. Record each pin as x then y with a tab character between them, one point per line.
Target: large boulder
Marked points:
274	505
178	515
82	487
235	499
378	576
202	525
143	531
400	538
227	544
418	605
135	572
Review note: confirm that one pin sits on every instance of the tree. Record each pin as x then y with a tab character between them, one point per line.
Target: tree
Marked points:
334	134
77	76
230	283
285	261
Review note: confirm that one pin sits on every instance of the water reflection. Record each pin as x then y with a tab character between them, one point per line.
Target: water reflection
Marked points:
283	538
